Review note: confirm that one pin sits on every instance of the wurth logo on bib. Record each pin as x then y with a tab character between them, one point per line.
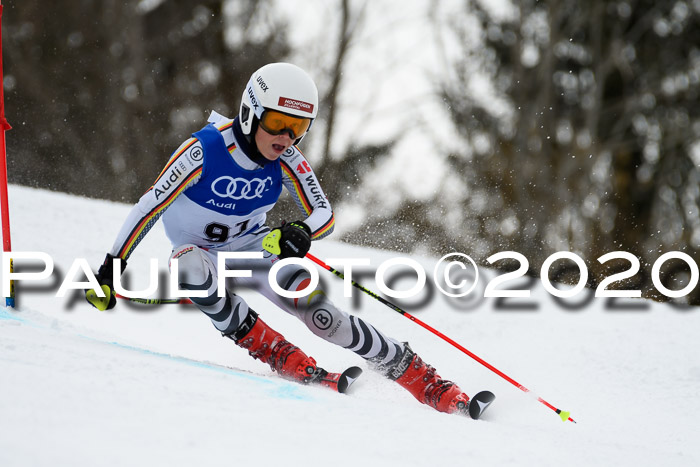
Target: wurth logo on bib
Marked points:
296	104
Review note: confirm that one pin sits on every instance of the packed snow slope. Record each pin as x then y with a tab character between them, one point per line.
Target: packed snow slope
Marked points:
159	386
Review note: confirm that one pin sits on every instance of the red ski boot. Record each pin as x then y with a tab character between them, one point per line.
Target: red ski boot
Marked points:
421	380
269	346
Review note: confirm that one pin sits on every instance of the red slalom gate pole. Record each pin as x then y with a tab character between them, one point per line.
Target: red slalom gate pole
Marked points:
562	414
4	204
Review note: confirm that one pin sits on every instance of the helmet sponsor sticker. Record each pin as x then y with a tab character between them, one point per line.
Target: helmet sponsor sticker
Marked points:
253	99
295	104
262	84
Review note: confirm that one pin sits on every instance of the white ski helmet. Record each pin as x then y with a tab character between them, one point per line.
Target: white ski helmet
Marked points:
282	87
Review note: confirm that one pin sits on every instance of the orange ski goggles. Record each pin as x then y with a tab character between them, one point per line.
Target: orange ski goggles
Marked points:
276	123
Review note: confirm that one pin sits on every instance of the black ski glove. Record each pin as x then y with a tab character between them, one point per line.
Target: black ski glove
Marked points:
105	278
289	239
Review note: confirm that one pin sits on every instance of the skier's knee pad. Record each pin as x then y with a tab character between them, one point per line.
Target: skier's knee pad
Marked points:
196	271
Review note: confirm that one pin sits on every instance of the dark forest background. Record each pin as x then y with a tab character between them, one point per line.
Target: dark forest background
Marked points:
595	148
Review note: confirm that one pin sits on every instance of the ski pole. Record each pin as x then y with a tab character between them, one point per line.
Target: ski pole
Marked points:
156	301
562	414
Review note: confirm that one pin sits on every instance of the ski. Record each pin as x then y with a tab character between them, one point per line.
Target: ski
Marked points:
479	403
339	382
347	378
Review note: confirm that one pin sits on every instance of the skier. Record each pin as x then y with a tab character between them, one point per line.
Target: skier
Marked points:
213	196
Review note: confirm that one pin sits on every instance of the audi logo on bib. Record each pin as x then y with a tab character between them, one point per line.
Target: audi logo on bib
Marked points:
240	188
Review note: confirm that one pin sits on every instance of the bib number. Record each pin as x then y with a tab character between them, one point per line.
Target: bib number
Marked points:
216	232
